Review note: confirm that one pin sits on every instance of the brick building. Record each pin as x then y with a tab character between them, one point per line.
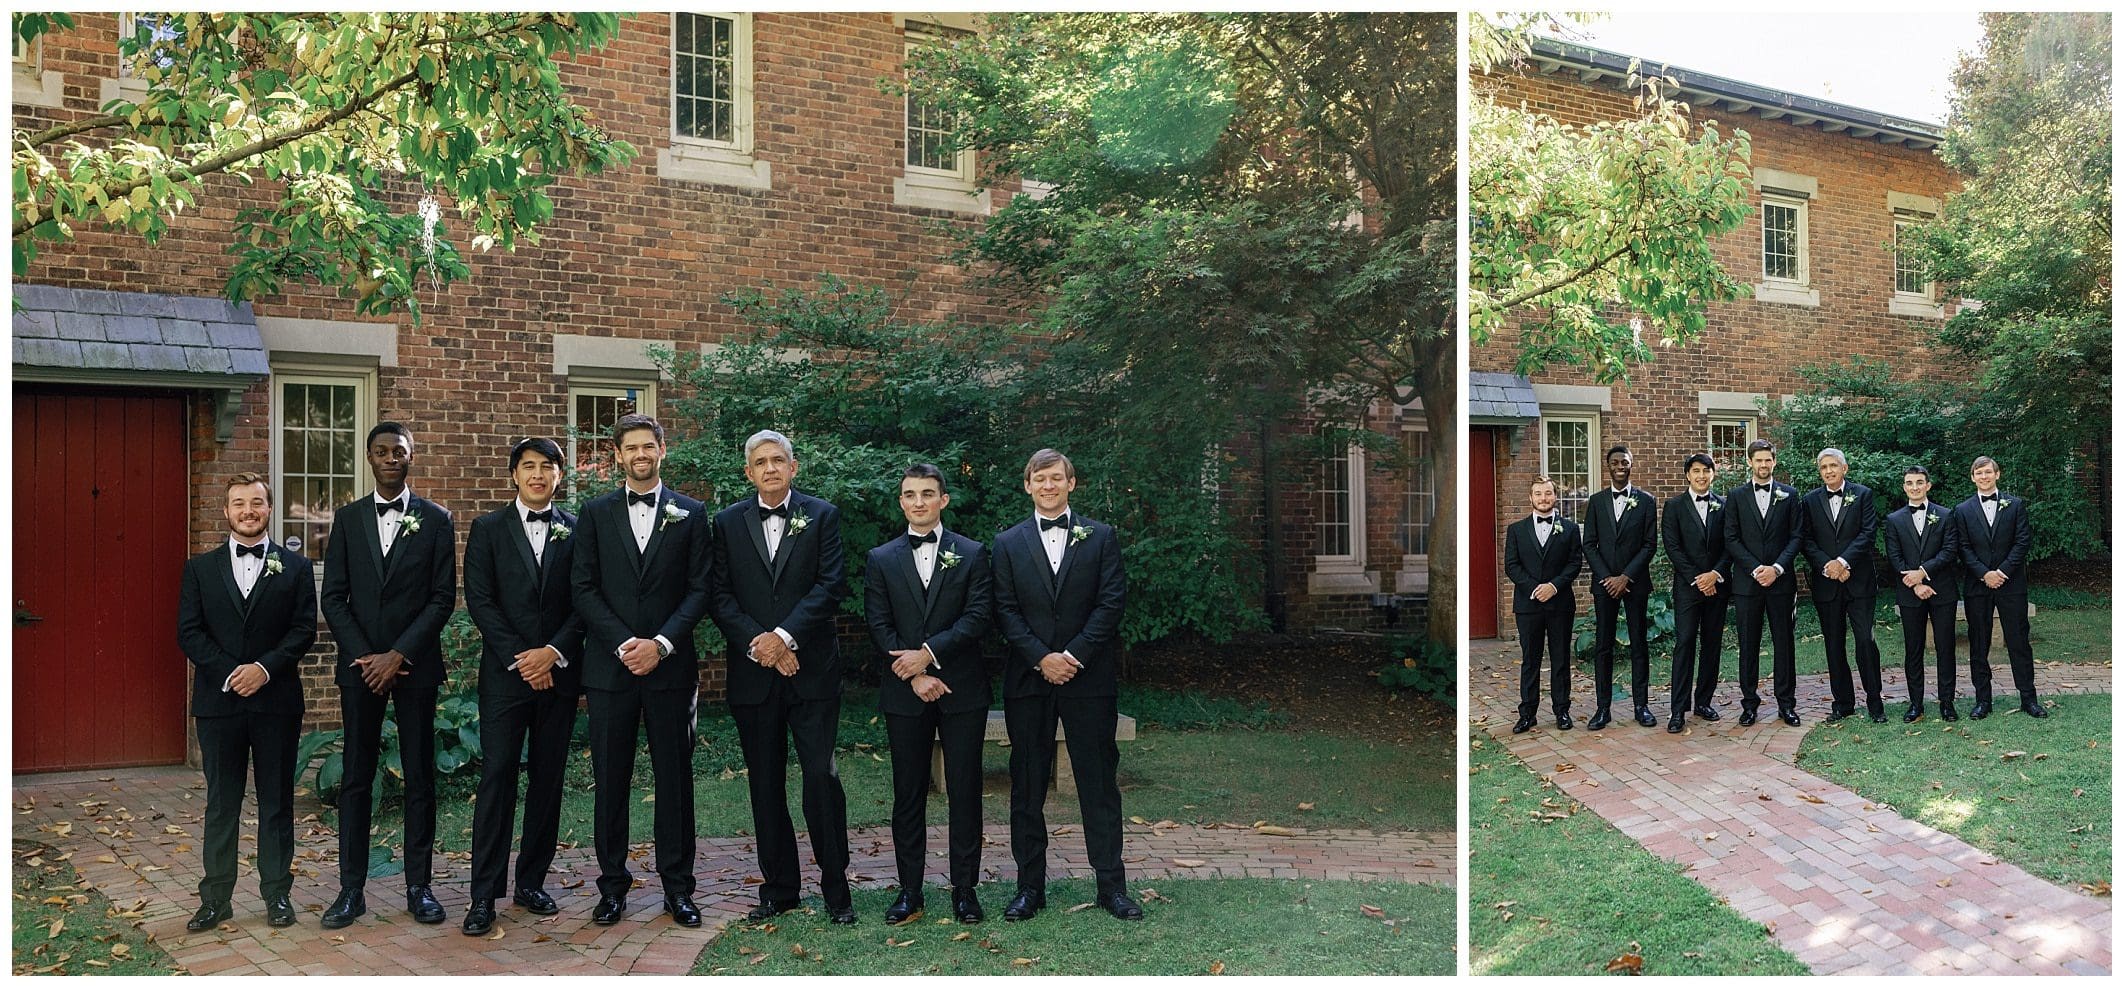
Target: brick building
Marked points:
1832	186
769	154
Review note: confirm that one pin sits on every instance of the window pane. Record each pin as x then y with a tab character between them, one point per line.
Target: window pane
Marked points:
1569	461
1335	505
1419	504
704	70
318	458
1780	241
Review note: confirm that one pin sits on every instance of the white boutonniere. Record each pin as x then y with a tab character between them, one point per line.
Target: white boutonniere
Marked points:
1629	505
948	559
798	522
1079	533
408	524
1710	506
672	513
273	563
559	532
1848	499
2003	502
1776	496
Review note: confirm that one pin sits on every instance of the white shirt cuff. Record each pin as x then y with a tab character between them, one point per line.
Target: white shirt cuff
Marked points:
1072	659
225	683
933	663
560	661
787	638
1780	569
666	642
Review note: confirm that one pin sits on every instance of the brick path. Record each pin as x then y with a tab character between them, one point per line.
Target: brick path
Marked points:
134	835
1847	886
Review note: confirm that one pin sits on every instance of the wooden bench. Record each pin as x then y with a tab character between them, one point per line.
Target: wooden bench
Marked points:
1064	777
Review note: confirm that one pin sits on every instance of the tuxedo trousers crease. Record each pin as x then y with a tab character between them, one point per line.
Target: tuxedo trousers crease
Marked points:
1699	628
1631	608
547	719
1088	729
266	743
1916	619
766	733
1749	615
961	734
2012	617
1538	633
618	719
1856	614
362	713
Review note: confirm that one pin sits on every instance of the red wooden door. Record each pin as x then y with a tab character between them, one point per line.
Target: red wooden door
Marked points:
101	492
1482	533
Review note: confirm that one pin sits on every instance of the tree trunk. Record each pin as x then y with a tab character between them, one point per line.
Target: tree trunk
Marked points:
1439	384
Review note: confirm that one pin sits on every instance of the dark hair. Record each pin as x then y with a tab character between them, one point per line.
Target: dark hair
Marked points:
635	420
1914	468
1696	458
1045	458
926	471
246	480
383	428
1617	448
1761	445
535	444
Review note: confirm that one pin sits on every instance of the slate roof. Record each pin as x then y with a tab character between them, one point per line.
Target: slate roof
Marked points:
90	329
1501	399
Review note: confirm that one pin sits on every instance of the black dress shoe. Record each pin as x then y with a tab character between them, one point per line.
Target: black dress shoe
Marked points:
1120	905
2034	708
1835	715
421	903
1747	717
682	910
1600	719
1915	711
1024	905
769	910
609	910
1645	718
1947	712
1563	722
966	907
1705	711
537	902
1790	717
1674	724
209	916
345	909
903	910
280	912
479	918
1877	714
1525	722
842	915
1981	710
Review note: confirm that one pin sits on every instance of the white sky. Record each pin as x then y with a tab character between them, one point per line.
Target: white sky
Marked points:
1892	63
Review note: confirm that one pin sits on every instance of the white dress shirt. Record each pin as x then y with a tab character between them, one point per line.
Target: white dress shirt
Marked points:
1054	539
641	517
925	560
1541	531
247	570
772	528
537	532
1991	507
1622	502
387	522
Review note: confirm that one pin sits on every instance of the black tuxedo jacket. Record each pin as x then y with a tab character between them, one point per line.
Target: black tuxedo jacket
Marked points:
219	630
2002	545
1621	548
1939	553
799	591
1849	537
1696	547
373	604
1754	538
522	601
951	615
621	592
1076	609
1528	565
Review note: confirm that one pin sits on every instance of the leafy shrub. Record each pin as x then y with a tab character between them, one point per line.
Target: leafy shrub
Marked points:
1417	663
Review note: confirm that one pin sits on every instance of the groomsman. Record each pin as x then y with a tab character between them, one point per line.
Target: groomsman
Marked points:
1762	539
778	584
1541	559
517	571
390	583
1995	543
1836	533
1694	532
926	597
1925	548
1620	536
1059	595
246	613
640	582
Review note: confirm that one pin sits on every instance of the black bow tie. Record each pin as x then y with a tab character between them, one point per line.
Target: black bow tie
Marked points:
1703	499
1988	497
1544	520
779	511
915	540
1047	523
634	499
1917	509
251	550
538	516
1765	488
386	507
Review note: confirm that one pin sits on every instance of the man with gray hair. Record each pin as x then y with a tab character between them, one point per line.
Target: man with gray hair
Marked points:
1837	523
777	583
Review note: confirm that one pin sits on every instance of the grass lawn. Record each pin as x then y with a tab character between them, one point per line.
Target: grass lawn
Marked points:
1566	897
1229	926
63	927
2046	810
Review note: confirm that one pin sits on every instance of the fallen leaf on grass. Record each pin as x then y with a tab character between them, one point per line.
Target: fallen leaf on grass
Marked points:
1304	807
58	925
759	958
1023	961
1080	907
2011	755
2095	888
1630	963
1373	911
890	942
1216	967
961	936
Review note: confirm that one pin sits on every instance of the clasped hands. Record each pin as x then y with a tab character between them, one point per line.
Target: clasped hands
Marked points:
536	665
768	649
380	670
908	664
641	656
249	678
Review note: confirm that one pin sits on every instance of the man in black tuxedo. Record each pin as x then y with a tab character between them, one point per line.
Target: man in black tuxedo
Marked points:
1925	549
1059	594
927	599
779	579
1762	539
640	582
1695	534
1836	533
1620	536
390	583
517	573
1995	543
1541	559
246	614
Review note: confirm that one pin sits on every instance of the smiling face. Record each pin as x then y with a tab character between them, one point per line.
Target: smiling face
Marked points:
1543	497
922	500
536	479
1916	486
247	509
640	457
771	469
1986	478
1762	463
390	462
1700	477
1832	470
1619	469
1050	487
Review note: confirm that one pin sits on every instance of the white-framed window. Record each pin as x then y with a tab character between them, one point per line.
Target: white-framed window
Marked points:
1570	446
33	85
711	102
1339	534
1787	275
593	407
936	173
1419	507
1909	277
1726	438
320	415
1913	295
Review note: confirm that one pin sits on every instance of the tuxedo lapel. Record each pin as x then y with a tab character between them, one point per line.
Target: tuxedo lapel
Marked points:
1069	554
544	562
936	576
522	541
228	580
657	525
758	532
366	523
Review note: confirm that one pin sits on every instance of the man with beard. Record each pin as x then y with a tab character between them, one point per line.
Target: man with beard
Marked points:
1762	539
1541	558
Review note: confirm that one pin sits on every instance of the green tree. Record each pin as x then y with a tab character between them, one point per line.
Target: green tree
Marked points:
364	125
1197	253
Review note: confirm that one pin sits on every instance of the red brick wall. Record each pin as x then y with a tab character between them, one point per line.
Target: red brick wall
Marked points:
1749	345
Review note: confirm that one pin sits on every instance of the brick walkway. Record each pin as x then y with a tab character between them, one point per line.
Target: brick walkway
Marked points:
134	835
1847	886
